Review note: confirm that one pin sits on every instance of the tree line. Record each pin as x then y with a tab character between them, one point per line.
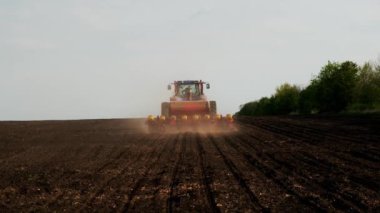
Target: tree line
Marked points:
338	87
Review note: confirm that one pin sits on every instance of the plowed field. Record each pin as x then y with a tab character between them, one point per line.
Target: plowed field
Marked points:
272	164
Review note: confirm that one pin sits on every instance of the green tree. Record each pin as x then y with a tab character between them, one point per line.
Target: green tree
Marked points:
248	108
339	86
367	88
307	101
264	106
286	99
335	85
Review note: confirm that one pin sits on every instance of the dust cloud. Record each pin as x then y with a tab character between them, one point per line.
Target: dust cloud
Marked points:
192	128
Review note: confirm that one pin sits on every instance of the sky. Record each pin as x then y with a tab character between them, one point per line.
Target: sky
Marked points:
83	59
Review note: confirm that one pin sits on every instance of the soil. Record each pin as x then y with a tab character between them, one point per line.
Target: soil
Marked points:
273	164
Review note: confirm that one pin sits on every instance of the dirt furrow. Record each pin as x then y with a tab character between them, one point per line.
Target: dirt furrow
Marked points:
174	179
96	180
278	164
110	187
148	187
238	175
206	176
278	178
342	157
301	179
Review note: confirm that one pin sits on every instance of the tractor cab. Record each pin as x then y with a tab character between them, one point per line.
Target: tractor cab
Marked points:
188	90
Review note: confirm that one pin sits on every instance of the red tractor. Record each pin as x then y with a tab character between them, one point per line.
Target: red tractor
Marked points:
188	107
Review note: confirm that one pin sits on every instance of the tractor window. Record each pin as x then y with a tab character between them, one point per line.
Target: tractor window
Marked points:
185	88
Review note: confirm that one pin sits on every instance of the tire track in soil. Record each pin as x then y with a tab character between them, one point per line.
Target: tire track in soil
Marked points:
206	177
317	163
365	184
14	154
137	185
153	177
279	165
302	133
102	188
173	180
120	155
263	146
186	188
272	175
45	181
346	174
335	196
343	134
65	175
335	199
343	165
343	158
239	177
158	182
332	194
46	154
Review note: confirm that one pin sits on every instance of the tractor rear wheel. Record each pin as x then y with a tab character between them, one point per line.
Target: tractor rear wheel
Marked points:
212	108
165	109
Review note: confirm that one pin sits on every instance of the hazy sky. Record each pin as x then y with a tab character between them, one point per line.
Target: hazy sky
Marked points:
76	59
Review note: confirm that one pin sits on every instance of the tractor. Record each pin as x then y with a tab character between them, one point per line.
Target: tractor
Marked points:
188	106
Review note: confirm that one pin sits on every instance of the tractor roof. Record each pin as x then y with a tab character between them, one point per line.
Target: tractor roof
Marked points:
188	82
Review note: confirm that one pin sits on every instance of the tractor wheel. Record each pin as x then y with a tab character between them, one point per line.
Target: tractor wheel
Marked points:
212	108
165	109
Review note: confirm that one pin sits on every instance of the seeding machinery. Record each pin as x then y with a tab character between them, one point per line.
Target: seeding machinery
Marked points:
189	107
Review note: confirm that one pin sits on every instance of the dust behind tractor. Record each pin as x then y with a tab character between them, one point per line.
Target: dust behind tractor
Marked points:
189	108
